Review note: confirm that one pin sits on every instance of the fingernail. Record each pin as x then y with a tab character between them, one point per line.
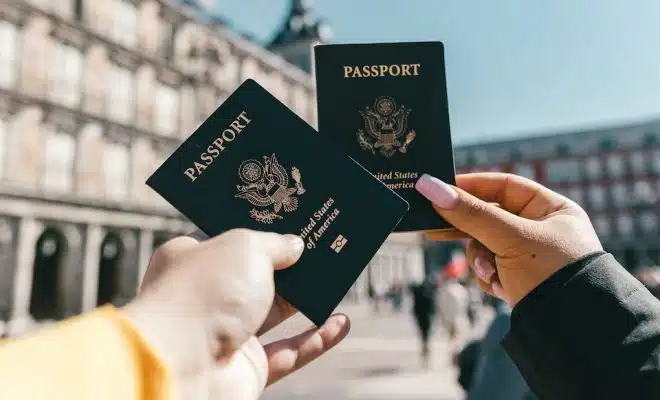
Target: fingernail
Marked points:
498	290
438	192
297	244
484	269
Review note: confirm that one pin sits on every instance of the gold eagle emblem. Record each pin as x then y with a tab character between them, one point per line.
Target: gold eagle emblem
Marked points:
266	184
385	128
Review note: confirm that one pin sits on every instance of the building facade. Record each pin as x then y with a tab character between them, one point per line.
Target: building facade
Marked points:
94	95
612	172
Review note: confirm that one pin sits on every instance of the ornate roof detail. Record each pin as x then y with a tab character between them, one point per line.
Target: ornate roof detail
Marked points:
300	25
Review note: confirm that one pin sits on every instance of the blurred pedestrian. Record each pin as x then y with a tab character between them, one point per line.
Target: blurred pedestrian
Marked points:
423	312
374	296
396	295
453	297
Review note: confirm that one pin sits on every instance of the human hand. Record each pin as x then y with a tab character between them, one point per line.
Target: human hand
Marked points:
202	305
520	231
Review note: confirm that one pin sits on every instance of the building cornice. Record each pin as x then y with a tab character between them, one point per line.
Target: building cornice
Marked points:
242	46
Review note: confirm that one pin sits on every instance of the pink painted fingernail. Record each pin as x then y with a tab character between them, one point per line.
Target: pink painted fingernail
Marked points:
438	192
484	269
498	290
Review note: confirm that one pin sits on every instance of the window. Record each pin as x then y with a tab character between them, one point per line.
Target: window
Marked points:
656	161
625	224
525	170
638	163
597	197
615	166
167	39
602	226
124	23
563	149
167	107
121	99
8	54
620	195
607	144
59	157
594	168
148	26
563	171
648	221
116	170
4	146
481	156
644	193
66	75
576	194
188	110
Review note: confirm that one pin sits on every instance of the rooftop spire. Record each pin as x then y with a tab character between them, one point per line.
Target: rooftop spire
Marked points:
300	25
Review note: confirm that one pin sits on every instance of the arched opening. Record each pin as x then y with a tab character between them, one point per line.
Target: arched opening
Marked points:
44	296
112	250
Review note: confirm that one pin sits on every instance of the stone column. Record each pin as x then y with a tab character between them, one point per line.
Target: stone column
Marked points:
8	250
146	245
92	257
28	232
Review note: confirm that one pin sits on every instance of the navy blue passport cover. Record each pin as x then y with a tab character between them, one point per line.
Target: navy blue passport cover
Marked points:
386	106
255	164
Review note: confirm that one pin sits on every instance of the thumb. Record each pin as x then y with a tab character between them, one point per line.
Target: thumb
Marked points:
489	224
282	250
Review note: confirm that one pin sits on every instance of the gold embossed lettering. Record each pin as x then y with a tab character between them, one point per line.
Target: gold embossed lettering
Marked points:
381	70
217	146
347	71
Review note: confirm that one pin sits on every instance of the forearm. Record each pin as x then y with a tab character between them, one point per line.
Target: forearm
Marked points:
98	355
590	331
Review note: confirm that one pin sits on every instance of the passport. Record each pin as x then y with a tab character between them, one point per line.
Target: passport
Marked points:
386	106
255	164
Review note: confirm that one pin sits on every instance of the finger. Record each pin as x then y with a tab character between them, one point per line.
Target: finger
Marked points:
481	260
288	355
447	236
282	250
516	194
166	255
498	291
280	311
491	225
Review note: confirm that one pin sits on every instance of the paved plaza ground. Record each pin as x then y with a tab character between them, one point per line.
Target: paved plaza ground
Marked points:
379	360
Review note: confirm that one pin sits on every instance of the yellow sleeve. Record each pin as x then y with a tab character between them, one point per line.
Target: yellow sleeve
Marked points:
94	356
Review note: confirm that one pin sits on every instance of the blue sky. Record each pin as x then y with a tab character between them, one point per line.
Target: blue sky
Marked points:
513	66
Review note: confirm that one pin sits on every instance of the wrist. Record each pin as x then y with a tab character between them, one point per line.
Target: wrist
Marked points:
179	339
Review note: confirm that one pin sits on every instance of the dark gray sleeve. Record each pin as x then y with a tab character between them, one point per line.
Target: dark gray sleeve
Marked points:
496	376
591	331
